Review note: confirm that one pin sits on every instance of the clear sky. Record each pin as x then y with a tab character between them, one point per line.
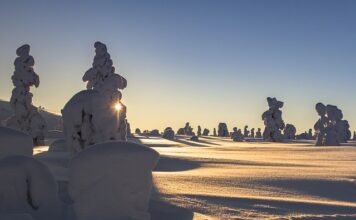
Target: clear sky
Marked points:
197	61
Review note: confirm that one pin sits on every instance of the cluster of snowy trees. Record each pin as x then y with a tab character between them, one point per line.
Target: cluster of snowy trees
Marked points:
102	167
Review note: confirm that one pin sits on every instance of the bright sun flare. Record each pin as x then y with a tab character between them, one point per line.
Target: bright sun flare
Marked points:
118	106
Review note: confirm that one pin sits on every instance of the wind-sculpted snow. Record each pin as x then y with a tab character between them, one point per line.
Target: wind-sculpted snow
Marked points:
91	116
26	117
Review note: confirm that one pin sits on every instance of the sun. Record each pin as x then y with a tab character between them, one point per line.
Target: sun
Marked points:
118	106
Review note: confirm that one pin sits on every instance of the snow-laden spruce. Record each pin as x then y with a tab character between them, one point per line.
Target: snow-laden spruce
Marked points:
91	116
26	117
273	121
330	129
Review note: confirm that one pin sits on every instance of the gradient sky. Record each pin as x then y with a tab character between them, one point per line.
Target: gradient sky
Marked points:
197	61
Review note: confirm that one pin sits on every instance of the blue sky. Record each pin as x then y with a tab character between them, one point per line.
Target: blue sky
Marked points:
197	61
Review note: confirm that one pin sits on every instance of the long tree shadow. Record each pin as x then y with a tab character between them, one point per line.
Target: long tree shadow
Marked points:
186	142
171	164
162	210
264	205
331	189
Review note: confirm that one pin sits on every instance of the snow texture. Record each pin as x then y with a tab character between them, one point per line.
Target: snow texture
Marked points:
112	180
90	116
14	142
26	117
27	186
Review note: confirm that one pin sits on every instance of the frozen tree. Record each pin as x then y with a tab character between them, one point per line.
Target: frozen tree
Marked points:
310	133
123	125
187	130
258	133
96	115
222	130
26	117
168	133
330	129
252	133
137	131
199	131
273	120
214	133
206	132
246	131
289	131
236	135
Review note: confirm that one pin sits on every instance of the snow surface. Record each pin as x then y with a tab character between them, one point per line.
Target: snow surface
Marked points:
256	180
112	180
14	142
216	178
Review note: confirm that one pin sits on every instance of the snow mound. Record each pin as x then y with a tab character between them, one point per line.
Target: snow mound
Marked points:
14	142
28	187
58	145
111	181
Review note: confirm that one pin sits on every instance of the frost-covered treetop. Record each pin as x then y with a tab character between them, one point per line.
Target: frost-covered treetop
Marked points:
102	76
24	75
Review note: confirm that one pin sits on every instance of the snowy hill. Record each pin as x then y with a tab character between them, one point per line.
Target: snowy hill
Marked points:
52	119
